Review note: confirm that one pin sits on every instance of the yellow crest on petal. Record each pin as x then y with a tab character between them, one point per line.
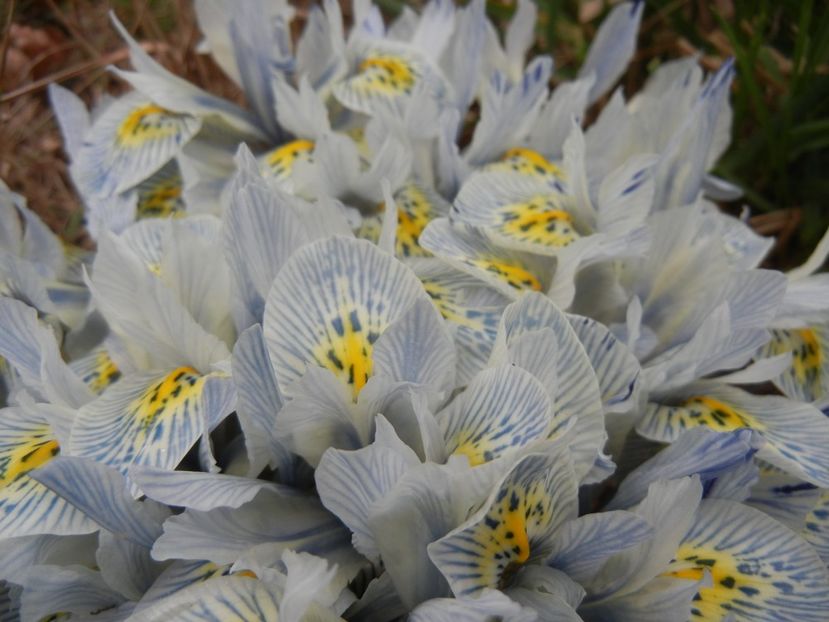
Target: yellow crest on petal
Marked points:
728	581
448	301
387	74
703	410
347	346
30	452
528	162
539	220
415	210
280	162
759	568
102	374
146	123
808	359
514	275
167	396
502	539
160	197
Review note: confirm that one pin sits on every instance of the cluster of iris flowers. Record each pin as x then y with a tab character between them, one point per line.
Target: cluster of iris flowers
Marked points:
355	353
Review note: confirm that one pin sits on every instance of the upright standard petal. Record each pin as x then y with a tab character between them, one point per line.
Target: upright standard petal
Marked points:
616	368
669	508
583	545
613	47
349	482
258	402
508	110
417	348
577	392
472	309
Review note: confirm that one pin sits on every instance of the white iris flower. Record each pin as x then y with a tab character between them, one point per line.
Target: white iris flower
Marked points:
353	353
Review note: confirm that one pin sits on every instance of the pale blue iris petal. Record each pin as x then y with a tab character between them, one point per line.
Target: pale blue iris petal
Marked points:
73	589
578	392
502	410
760	567
698	451
792	430
613	47
515	525
349	482
258	403
235	599
327	290
277	521
418	348
584	544
126	566
617	370
489	603
102	494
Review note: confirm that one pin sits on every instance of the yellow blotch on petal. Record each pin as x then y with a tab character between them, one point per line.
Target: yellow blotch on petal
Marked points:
347	346
807	357
708	411
452	306
414	212
167	395
249	574
528	162
370	227
145	123
36	450
505	533
161	199
474	452
280	162
539	221
514	275
447	301
387	74
103	374
729	583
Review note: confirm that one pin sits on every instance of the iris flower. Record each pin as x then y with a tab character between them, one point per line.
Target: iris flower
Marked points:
332	361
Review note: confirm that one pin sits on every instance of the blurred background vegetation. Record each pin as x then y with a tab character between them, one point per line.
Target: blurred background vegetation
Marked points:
780	145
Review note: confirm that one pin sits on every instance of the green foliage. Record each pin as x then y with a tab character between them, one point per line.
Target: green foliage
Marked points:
781	103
